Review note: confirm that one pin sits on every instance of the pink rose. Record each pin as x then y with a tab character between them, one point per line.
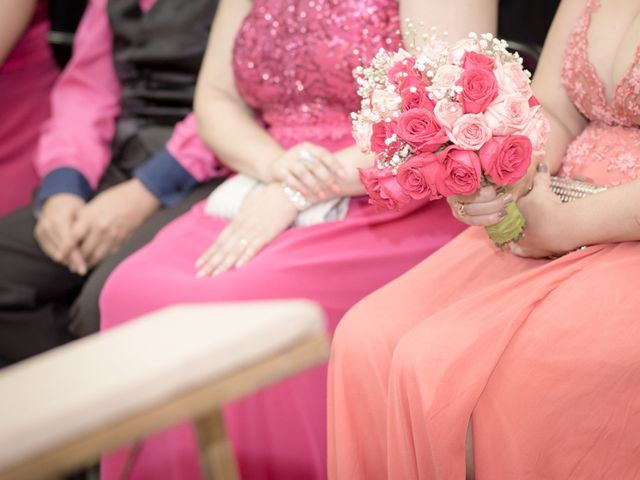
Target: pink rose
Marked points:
436	49
403	71
458	49
385	103
383	188
415	97
461	174
479	89
537	130
379	134
470	131
420	129
508	114
512	79
477	60
447	113
418	175
533	101
506	159
446	76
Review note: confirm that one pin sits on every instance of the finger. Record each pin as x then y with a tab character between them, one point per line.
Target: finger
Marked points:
485	194
484	220
215	247
47	244
101	251
305	177
77	263
60	233
488	208
91	242
224	259
293	182
217	253
517	249
329	161
250	251
324	177
542	178
256	243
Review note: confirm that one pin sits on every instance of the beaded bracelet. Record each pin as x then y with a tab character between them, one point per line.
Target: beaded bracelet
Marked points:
298	200
569	190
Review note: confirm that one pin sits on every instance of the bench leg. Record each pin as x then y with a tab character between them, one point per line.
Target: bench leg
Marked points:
216	455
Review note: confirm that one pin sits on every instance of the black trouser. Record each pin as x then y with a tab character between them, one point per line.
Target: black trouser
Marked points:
42	304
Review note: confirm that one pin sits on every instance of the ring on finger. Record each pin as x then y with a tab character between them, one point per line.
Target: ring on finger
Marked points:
460	209
244	242
305	156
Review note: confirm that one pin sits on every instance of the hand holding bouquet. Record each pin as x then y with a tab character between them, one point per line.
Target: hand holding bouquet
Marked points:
446	121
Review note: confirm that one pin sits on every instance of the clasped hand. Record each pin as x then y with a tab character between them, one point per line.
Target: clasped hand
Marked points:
542	210
310	169
80	235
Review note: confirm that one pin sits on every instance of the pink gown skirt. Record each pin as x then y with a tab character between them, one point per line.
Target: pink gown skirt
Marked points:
26	79
279	433
541	355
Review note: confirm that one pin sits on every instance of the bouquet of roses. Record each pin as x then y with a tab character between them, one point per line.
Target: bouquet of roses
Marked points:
447	120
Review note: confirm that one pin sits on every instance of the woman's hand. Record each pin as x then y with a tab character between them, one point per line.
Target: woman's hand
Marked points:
309	169
546	232
487	206
263	216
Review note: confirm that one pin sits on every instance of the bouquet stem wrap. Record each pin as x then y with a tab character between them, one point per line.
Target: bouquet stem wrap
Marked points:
510	228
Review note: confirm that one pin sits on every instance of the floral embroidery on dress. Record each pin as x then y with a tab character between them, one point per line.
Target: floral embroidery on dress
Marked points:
609	146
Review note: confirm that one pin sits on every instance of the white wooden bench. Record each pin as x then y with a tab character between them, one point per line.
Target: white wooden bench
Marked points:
61	410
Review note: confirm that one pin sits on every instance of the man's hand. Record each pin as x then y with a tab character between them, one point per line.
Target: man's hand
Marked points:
111	218
54	231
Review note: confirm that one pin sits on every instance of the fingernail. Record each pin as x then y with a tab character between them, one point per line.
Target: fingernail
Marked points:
82	271
321	195
507	198
542	167
502	213
199	262
200	274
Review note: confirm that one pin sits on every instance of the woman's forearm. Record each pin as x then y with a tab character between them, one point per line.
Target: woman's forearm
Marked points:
230	129
15	16
607	217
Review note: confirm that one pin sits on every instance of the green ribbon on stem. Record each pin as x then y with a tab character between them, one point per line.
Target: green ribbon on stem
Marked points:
510	228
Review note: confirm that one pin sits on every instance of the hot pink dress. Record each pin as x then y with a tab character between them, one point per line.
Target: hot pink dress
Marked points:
26	78
542	355
293	63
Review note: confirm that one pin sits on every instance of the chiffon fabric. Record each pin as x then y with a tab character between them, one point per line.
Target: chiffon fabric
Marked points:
541	355
293	63
26	79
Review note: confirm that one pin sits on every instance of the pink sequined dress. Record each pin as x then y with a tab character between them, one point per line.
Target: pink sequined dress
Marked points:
542	355
26	78
293	63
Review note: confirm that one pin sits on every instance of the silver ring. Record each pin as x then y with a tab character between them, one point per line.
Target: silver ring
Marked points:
244	242
305	156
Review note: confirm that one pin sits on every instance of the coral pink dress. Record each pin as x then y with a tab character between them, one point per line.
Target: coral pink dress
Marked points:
26	78
293	63
542	355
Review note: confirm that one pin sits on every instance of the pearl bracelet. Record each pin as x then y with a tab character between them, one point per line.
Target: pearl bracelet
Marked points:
298	200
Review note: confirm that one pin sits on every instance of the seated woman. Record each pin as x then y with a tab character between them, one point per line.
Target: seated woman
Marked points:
291	63
27	73
539	354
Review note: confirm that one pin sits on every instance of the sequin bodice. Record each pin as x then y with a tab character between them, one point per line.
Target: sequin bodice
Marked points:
608	150
293	62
